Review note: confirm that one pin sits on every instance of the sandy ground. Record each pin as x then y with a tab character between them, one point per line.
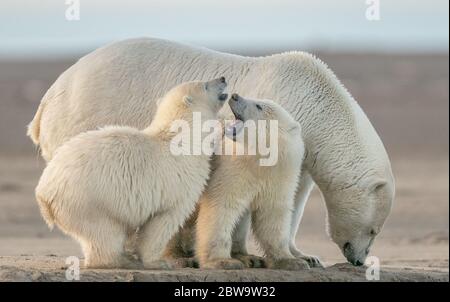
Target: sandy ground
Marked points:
46	269
406	97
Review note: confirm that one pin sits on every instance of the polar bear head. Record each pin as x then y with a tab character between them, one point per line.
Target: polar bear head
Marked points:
356	216
183	100
282	137
257	109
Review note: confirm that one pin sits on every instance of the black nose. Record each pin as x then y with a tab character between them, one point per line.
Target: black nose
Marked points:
358	263
222	79
235	97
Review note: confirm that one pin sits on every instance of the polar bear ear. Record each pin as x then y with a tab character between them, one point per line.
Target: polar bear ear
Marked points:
372	185
188	100
377	185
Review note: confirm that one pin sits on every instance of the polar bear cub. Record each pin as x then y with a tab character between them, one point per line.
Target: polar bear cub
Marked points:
102	185
240	183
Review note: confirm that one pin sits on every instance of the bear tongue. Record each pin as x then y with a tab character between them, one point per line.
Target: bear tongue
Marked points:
234	128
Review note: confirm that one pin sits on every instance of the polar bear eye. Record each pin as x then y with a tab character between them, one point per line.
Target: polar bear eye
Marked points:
259	107
373	232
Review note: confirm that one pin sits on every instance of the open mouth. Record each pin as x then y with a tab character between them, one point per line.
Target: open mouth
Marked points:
232	130
237	116
235	127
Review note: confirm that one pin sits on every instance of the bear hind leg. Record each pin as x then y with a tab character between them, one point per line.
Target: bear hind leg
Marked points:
103	245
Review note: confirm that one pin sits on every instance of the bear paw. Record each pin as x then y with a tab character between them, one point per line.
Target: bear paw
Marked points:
289	264
131	263
250	261
228	264
185	262
159	265
121	262
313	261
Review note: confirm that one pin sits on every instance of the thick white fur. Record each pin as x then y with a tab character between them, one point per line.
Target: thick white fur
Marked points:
102	185
239	184
344	155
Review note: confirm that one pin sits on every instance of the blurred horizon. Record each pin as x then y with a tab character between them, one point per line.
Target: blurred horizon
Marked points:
396	67
39	29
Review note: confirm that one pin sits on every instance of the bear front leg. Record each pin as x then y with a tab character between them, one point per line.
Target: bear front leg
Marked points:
239	246
271	225
155	235
215	224
306	184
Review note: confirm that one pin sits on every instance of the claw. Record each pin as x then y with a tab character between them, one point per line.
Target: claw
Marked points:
250	261
185	262
312	261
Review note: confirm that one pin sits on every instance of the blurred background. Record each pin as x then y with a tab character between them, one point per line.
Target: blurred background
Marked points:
391	54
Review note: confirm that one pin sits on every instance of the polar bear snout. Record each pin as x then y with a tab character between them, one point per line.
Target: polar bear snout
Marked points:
218	85
223	97
353	256
237	105
235	97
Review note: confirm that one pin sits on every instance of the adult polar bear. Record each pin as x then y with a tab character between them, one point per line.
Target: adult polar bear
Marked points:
119	83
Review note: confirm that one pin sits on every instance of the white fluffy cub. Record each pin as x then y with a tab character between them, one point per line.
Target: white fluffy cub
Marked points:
102	185
240	184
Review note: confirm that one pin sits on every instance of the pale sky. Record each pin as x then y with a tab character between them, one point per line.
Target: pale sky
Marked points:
39	27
